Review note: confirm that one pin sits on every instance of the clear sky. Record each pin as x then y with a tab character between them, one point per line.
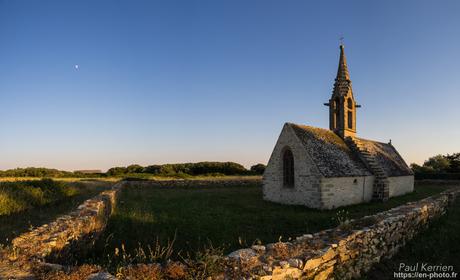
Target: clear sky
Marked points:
185	81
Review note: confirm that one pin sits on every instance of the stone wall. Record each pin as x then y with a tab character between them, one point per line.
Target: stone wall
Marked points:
217	182
306	175
401	185
336	192
69	235
344	252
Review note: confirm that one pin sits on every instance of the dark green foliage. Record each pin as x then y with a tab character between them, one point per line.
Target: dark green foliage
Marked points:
226	217
35	172
178	170
436	176
152	169
438	163
42	172
258	168
202	168
117	171
134	168
439	167
454	162
181	169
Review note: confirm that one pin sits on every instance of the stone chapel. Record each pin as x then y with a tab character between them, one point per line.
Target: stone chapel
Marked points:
325	169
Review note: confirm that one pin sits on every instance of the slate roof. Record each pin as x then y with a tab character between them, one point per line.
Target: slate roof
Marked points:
388	158
333	158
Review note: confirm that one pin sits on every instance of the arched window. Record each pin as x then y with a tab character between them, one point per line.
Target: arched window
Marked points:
288	168
350	119
336	112
336	104
350	113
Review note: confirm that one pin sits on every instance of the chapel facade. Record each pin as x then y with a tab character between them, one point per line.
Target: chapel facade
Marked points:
328	168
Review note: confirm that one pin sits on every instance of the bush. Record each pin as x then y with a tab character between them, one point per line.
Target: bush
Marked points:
258	168
134	168
117	171
41	172
195	169
180	170
439	167
437	176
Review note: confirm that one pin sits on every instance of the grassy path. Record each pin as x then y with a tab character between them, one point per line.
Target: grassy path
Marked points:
17	223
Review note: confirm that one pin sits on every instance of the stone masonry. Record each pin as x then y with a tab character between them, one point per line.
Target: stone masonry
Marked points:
342	252
305	170
60	241
381	189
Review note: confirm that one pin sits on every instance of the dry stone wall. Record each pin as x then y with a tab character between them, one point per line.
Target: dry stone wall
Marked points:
340	253
221	182
70	234
62	240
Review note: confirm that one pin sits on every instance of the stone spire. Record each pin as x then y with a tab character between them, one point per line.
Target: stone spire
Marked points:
342	72
342	85
342	105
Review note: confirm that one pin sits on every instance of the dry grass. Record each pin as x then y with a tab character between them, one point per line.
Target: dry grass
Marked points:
20	179
144	176
75	273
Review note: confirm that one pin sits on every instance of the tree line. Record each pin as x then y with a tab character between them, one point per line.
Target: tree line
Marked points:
192	169
439	167
178	169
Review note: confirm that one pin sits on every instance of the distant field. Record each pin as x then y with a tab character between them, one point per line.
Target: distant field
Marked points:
28	204
226	217
131	176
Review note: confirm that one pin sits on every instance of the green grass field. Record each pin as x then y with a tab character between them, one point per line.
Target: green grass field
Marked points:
30	204
22	195
228	218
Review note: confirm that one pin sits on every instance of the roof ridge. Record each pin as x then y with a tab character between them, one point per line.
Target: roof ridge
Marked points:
329	152
370	140
305	125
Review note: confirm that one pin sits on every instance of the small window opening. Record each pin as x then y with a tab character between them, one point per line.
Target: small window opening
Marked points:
288	168
350	119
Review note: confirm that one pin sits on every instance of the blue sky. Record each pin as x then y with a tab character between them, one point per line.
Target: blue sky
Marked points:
184	81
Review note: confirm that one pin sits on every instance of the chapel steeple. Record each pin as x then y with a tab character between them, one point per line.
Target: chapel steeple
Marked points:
342	105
